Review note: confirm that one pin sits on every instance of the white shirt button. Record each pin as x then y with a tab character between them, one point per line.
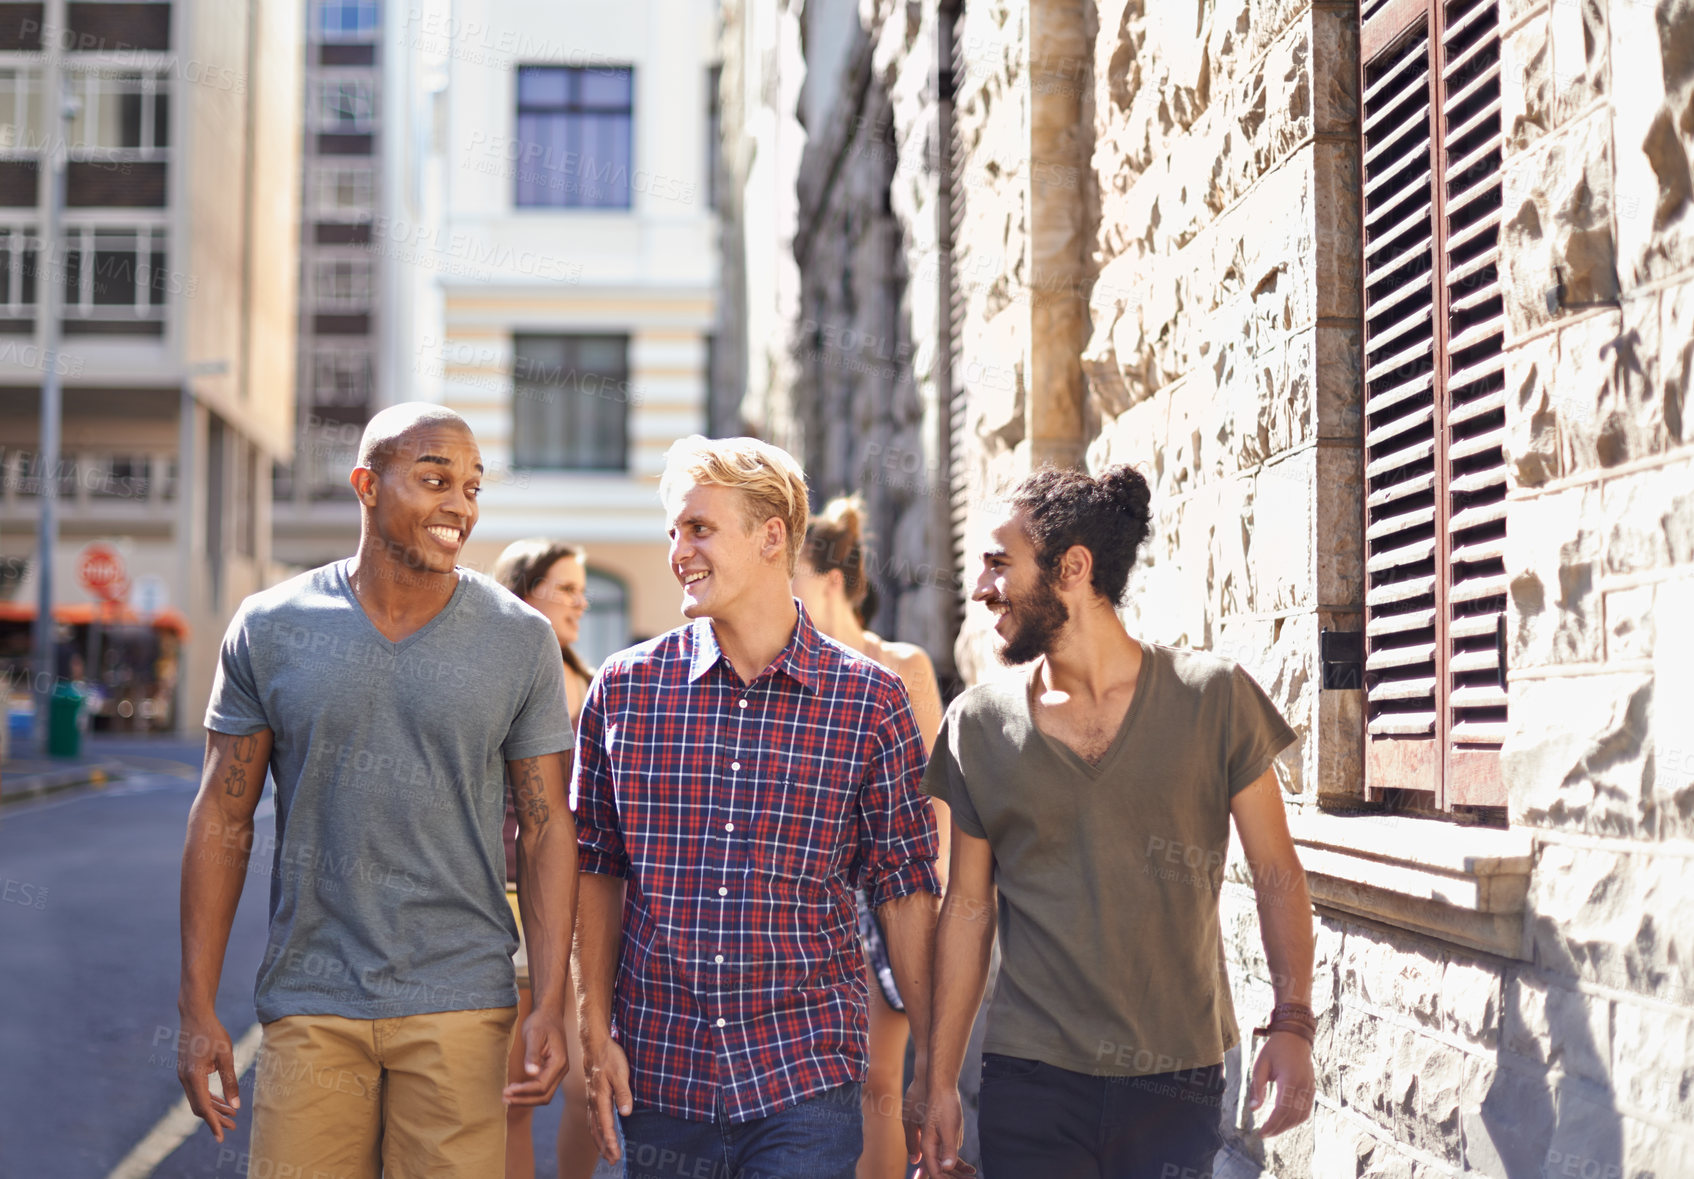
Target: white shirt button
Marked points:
729	826
718	958
720	1021
735	765
741	703
723	892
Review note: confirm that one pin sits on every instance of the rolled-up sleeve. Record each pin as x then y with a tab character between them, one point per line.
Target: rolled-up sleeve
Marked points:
599	839
897	837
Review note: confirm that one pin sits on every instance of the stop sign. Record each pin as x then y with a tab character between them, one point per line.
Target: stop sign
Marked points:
101	572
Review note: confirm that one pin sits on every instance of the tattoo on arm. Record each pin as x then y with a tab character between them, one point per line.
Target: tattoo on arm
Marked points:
242	750
529	795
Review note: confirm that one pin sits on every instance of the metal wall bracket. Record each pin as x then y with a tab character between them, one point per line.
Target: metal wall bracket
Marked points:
1341	655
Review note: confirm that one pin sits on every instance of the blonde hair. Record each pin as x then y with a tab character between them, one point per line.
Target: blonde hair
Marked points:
771	483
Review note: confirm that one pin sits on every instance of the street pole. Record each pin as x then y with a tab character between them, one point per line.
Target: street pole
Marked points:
49	287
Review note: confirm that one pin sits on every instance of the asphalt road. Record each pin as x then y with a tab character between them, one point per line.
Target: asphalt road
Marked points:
89	970
88	977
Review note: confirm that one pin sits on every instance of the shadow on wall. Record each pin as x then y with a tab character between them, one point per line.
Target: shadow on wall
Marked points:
1550	1110
1493	1067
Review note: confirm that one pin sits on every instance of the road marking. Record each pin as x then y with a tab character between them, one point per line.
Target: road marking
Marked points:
175	1127
163	765
147	782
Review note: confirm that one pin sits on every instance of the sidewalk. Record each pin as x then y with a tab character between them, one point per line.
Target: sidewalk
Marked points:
32	776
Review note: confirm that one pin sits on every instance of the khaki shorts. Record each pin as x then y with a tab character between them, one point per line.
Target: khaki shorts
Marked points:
417	1097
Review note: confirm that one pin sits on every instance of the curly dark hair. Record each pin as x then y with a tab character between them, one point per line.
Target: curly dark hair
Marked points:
1109	515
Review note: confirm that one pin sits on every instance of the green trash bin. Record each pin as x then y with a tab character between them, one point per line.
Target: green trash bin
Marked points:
64	722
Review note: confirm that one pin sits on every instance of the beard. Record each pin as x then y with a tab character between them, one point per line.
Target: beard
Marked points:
1040	616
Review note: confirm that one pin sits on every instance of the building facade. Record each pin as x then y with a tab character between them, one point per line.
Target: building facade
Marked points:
576	268
368	202
177	270
1391	302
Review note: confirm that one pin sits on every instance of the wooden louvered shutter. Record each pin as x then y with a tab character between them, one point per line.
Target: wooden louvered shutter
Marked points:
1476	404
1434	399
1400	405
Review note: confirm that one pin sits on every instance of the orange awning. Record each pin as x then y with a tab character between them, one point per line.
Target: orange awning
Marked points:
110	614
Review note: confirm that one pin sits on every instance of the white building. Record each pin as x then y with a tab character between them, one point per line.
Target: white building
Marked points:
577	269
763	72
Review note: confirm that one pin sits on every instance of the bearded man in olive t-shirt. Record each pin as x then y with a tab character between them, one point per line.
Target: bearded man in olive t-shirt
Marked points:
1091	804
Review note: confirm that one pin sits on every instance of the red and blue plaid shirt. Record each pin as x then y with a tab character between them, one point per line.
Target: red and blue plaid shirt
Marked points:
742	816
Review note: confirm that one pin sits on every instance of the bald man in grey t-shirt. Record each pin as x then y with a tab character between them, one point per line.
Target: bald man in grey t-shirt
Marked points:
1092	798
390	696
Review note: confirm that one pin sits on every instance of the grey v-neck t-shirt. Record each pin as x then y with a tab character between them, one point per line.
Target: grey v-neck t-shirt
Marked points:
388	871
1108	874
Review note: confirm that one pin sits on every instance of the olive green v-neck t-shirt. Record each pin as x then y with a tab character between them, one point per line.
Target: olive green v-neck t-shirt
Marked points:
1108	874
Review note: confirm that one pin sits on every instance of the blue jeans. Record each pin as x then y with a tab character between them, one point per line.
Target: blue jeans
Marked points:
1039	1120
819	1138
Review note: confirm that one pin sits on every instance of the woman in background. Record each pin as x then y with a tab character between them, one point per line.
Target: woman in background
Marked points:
830	583
553	578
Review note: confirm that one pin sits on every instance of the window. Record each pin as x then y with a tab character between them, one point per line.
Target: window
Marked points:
571	402
341	379
30	475
574	134
115	276
346	107
20	110
714	133
119	476
117	27
346	193
217	484
1434	389
324	455
124	111
342	284
246	498
282	483
605	624
18	249
347	20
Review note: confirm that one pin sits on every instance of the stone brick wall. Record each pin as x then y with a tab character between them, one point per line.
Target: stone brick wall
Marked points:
1225	350
859	393
759	85
1600	551
861	406
1226	336
993	281
1211	175
1225	361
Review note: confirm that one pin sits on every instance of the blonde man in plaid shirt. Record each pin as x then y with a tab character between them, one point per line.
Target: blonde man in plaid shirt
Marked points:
736	777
